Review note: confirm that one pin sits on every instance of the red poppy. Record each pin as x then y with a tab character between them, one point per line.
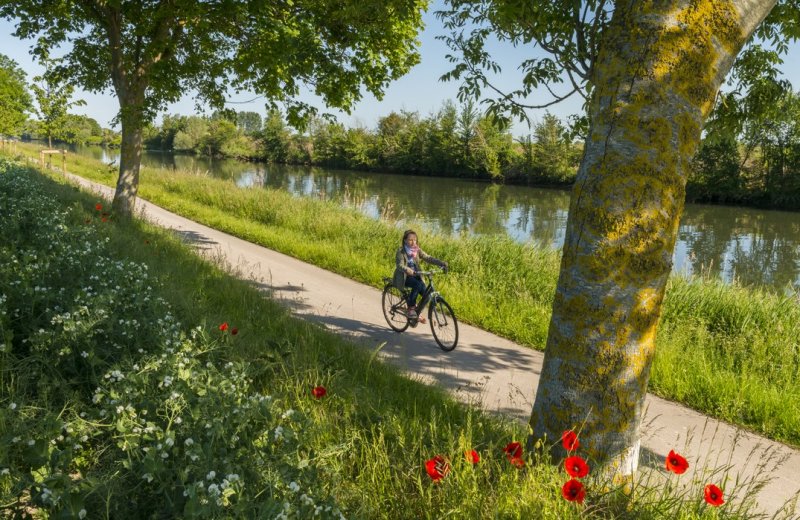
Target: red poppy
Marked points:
437	468
573	491
676	463
98	207
513	450
223	326
569	439
104	219
714	495
319	392
517	461
472	456
234	331
576	467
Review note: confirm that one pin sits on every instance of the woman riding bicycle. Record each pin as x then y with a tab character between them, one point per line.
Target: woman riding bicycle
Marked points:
407	264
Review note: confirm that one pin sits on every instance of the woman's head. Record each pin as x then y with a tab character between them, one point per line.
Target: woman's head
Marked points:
410	237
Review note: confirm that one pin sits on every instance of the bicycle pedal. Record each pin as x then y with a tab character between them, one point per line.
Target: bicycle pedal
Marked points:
413	323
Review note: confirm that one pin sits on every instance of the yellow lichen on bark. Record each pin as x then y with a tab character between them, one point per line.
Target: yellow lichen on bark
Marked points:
655	81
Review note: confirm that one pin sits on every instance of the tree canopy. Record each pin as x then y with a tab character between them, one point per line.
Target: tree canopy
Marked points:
14	97
151	53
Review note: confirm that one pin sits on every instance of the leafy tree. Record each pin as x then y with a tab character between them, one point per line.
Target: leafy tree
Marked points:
275	137
650	72
191	137
552	153
14	97
80	129
151	53
248	122
53	98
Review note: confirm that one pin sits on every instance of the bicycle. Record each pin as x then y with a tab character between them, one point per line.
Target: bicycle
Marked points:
441	317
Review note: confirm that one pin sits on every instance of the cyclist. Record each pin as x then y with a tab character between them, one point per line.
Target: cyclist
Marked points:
405	274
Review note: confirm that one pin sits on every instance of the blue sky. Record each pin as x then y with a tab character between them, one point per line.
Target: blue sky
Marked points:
419	91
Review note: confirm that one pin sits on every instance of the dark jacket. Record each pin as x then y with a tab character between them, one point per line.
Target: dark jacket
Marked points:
401	264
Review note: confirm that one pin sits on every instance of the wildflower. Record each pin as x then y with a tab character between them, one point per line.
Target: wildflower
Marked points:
82	514
234	331
675	463
713	495
294	487
576	467
569	439
278	432
319	392
188	441
513	450
213	490
438	467
573	491
98	207
472	456
517	462
211	475
148	477
223	326
12	406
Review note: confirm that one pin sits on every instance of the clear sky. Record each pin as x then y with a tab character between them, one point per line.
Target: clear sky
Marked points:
419	91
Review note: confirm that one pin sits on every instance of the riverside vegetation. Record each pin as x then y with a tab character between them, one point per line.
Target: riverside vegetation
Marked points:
145	382
728	351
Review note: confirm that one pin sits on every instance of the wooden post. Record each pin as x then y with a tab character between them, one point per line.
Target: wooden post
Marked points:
64	162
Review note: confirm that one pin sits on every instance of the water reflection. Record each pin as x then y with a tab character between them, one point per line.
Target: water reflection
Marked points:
749	245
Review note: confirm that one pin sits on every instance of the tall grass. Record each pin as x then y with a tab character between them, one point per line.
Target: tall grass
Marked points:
727	351
122	397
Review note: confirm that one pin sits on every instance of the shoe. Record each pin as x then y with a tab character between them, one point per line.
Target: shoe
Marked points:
422	320
412	313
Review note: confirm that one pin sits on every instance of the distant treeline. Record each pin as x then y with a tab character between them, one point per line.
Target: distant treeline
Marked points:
761	167
455	142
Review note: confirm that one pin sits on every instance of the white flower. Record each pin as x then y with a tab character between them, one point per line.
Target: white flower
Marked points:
213	490
4	471
82	513
31	442
188	441
278	432
148	477
294	486
13	406
232	477
178	420
211	475
84	354
169	442
288	413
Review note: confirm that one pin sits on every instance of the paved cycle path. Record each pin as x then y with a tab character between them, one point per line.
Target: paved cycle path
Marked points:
486	370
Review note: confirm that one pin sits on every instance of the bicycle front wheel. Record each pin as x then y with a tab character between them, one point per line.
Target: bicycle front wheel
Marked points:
443	324
394	308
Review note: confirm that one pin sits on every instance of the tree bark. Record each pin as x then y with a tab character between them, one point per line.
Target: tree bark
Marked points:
129	163
659	68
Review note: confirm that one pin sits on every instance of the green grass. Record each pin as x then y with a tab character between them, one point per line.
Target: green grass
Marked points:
127	419
730	352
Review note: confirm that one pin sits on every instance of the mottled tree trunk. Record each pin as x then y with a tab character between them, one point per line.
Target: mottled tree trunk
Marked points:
656	77
129	163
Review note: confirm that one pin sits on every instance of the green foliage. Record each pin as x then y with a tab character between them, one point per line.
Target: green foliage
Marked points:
14	97
53	100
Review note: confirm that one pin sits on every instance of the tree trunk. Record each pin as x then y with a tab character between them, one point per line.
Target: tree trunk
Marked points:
130	158
656	77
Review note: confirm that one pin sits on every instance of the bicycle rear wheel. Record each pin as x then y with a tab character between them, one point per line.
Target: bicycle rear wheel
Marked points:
394	308
443	324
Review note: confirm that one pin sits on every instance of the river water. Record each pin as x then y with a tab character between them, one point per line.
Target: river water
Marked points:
752	246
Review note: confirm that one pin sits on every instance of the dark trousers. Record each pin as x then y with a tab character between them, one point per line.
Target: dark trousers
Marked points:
417	288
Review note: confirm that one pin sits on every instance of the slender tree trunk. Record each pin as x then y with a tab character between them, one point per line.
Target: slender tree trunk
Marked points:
658	71
130	156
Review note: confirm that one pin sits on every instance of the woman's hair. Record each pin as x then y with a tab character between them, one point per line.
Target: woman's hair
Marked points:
408	232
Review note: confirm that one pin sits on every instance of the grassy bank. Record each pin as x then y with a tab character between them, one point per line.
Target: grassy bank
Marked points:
122	396
730	352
